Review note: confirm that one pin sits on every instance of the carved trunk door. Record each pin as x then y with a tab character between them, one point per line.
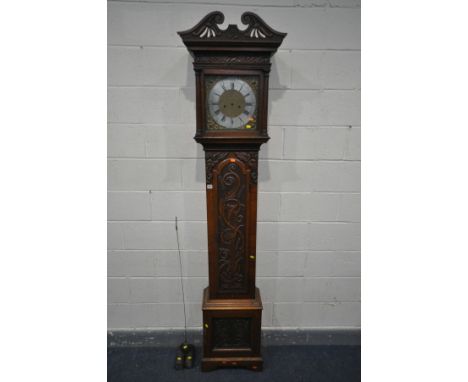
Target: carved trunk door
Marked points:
232	203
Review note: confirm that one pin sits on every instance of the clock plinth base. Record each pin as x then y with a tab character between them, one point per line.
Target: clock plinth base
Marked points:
232	332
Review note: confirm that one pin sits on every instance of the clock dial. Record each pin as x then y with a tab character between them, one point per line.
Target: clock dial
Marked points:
232	103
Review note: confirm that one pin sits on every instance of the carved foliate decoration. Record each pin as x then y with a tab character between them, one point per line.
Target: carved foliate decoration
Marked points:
249	158
207	27
232	60
232	200
231	333
212	158
257	28
207	30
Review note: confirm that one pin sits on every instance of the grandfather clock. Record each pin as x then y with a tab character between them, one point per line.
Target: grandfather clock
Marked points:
231	68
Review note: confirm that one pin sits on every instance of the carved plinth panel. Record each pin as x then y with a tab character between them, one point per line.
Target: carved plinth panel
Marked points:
231	333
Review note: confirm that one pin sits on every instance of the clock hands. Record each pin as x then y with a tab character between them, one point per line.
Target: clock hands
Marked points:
231	103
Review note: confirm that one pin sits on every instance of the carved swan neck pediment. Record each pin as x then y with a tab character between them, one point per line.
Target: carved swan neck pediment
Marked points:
208	33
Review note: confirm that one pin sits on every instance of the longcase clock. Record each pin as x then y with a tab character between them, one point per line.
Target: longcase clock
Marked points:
231	68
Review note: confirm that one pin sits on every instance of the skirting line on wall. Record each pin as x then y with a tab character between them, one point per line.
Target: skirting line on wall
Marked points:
270	337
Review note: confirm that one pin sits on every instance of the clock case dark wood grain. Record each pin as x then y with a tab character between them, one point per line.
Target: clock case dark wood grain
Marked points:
232	305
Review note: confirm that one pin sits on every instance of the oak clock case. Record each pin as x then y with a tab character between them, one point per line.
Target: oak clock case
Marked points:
232	68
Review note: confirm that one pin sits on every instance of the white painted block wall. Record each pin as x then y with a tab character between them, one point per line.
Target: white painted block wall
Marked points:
308	265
